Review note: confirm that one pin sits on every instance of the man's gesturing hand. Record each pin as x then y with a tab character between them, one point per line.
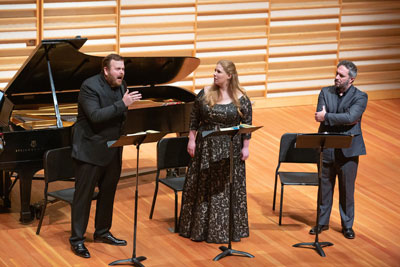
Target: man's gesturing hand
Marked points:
131	97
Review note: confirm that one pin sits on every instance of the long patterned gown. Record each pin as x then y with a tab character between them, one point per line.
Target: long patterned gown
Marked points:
205	200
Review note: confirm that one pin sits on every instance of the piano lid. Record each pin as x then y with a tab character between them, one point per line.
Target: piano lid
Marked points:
70	68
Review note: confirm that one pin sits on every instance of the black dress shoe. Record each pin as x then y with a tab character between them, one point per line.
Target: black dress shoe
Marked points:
80	250
320	229
348	233
109	239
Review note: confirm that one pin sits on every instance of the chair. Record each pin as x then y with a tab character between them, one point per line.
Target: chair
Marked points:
171	154
288	153
58	166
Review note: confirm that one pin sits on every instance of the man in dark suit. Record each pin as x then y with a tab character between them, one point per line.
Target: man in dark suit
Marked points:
102	106
339	110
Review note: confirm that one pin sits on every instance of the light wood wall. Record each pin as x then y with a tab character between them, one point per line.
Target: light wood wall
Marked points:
285	50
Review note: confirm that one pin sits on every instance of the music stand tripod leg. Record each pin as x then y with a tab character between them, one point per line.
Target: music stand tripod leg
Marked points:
316	244
228	251
134	260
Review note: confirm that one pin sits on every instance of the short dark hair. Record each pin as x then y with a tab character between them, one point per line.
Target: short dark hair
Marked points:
350	66
107	60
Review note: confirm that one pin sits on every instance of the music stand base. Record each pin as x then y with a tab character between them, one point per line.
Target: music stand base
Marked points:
230	252
135	261
316	245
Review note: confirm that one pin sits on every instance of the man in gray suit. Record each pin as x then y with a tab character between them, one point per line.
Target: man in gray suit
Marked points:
102	106
339	110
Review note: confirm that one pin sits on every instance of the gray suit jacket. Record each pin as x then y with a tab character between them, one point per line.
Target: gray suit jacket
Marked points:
101	113
340	119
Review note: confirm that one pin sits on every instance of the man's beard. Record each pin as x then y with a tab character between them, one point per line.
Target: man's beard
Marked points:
342	86
113	81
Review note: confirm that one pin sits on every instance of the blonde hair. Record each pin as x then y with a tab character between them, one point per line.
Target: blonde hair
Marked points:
211	96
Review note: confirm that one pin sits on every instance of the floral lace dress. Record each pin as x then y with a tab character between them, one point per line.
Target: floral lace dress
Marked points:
205	200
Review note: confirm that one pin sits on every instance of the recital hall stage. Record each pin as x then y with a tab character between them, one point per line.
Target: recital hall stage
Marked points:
377	197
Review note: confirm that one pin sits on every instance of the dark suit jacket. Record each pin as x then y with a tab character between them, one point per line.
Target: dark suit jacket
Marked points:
339	119
101	113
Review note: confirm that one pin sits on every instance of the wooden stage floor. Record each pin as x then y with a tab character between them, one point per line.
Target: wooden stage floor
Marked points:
377	241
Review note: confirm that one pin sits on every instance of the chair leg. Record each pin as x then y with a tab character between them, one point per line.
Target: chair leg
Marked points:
280	204
41	216
176	211
154	197
273	202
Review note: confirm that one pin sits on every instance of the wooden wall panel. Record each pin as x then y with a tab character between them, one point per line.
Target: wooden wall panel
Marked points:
303	44
95	20
18	35
370	36
285	50
235	30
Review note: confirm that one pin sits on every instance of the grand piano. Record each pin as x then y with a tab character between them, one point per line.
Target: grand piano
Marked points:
39	106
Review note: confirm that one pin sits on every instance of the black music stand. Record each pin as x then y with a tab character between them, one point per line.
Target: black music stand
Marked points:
232	132
321	141
135	139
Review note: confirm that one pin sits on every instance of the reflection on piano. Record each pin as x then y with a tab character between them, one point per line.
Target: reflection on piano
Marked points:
39	105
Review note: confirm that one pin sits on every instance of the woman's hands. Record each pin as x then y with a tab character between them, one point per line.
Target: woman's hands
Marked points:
245	149
191	147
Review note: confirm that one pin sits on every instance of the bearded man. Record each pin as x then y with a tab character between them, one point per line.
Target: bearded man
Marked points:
102	106
339	110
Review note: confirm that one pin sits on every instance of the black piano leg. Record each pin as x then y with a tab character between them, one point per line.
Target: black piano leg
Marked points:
5	185
25	187
2	183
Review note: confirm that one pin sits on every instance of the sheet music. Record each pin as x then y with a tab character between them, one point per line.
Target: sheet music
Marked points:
142	133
